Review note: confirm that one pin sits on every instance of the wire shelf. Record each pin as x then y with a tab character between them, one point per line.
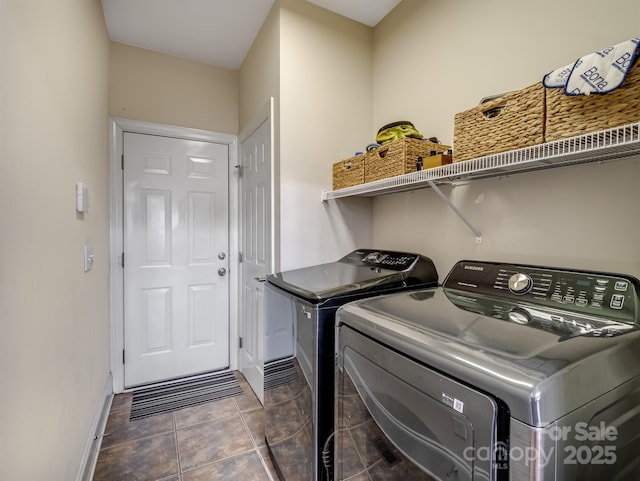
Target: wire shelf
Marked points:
610	144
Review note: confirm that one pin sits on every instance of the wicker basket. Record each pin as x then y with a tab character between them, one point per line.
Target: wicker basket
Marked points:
568	116
348	172
512	121
398	157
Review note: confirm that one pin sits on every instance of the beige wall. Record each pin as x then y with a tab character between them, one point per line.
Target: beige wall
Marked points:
447	55
160	88
317	66
325	112
54	318
259	79
259	76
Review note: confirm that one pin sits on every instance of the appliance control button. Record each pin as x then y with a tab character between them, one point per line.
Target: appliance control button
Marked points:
520	283
617	301
519	316
621	286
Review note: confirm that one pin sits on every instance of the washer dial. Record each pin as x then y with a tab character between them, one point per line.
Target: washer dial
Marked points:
520	283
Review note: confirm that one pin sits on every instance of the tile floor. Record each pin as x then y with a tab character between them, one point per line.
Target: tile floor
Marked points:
222	441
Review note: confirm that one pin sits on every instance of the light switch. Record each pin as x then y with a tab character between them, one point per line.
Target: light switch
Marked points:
88	258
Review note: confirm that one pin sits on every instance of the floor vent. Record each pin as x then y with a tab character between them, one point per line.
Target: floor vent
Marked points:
183	393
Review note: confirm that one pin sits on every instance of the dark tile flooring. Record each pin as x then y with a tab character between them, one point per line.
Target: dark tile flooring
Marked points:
222	440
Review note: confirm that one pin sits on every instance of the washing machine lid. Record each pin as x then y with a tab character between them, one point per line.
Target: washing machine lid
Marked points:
361	271
542	360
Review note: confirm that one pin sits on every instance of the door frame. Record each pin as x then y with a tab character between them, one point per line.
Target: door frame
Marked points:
117	127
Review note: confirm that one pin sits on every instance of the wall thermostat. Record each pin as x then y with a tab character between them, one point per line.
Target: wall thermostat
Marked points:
82	197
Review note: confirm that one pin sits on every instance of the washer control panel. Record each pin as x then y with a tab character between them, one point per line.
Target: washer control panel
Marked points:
593	293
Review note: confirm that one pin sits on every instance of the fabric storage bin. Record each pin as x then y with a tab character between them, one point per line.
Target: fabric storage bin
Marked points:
348	172
398	157
568	116
509	122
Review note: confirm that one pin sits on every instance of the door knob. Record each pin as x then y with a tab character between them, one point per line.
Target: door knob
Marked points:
222	271
221	255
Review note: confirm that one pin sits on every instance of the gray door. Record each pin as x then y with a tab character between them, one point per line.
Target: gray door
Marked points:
439	426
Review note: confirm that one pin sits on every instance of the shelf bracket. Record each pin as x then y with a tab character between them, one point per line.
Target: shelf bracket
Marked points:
456	211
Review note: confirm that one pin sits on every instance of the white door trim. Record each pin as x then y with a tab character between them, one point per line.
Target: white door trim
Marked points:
117	127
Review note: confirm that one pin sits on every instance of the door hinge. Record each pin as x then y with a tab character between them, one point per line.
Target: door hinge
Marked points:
122	161
122	260
239	343
240	257
123	356
240	170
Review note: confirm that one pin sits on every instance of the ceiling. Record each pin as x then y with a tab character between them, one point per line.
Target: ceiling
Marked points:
217	32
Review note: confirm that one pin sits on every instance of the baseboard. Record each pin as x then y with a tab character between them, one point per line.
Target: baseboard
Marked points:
90	457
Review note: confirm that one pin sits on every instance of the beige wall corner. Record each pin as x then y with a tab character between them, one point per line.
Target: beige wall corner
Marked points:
54	346
155	87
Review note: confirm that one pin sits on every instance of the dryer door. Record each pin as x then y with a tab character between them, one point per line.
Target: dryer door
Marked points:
402	420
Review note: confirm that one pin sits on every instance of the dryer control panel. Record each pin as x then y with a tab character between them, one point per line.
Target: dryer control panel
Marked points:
397	261
590	293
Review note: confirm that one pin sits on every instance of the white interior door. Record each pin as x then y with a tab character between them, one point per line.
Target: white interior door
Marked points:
176	288
255	249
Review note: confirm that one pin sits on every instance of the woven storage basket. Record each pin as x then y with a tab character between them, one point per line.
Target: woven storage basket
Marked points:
512	121
568	116
348	172
398	157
